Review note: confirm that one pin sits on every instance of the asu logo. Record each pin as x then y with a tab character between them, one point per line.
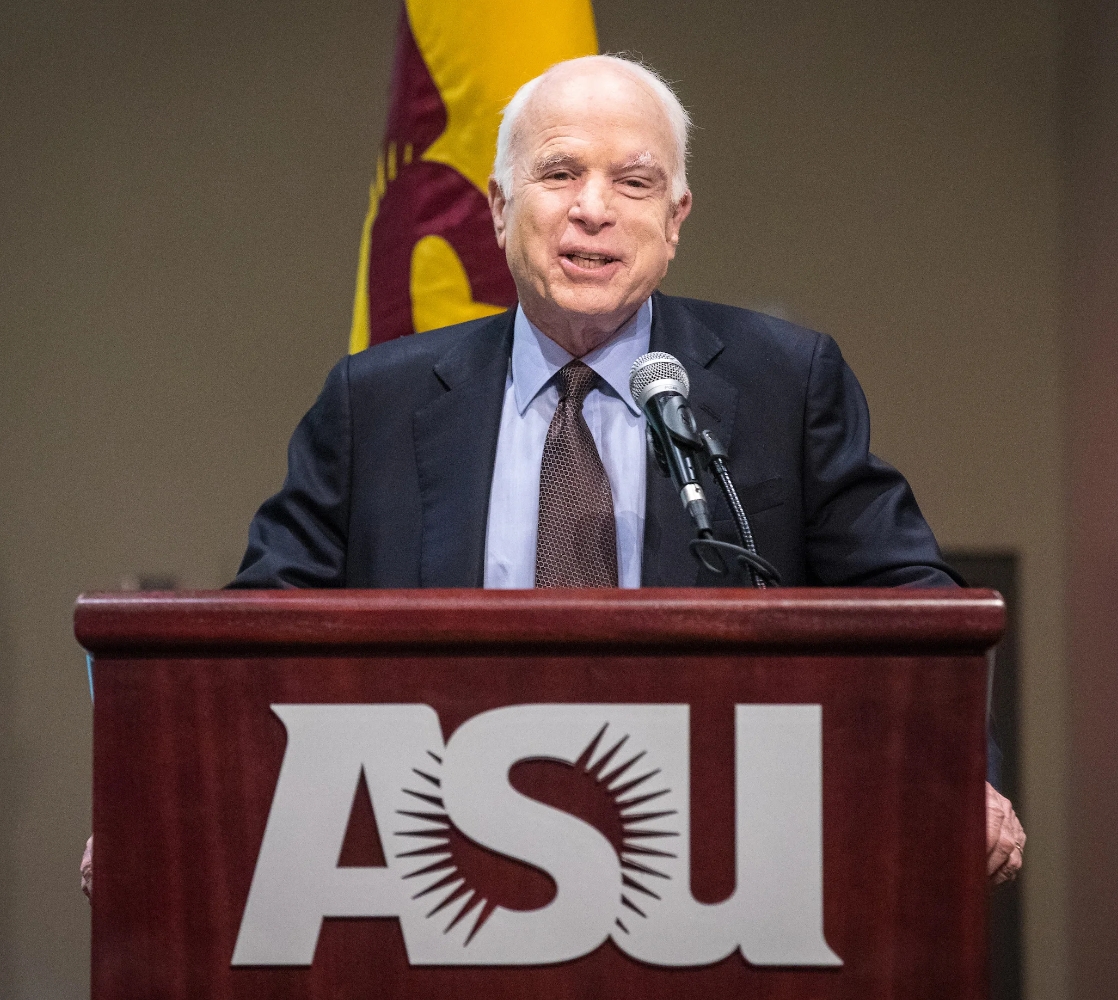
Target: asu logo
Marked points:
625	878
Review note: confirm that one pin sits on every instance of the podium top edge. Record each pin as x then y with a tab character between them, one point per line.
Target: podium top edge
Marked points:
786	620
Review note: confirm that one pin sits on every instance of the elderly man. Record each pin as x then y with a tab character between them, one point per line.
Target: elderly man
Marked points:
507	452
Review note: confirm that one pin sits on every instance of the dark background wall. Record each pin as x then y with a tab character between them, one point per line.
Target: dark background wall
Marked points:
1091	346
181	194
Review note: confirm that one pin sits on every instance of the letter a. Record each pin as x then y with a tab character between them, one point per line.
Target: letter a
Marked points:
297	881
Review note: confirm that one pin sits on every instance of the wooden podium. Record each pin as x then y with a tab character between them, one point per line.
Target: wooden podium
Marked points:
188	751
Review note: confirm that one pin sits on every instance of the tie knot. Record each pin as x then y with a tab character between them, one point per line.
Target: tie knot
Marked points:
575	381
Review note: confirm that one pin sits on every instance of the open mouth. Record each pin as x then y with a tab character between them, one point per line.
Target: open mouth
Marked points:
590	261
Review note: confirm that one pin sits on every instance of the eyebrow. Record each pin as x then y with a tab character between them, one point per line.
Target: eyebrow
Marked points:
639	161
551	161
642	161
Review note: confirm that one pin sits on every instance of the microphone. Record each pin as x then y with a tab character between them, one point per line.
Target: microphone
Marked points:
660	386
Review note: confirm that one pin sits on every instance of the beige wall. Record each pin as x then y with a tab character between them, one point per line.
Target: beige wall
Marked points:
182	195
892	174
1091	322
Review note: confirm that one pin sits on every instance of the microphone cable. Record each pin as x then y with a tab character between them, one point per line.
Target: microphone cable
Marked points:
762	573
660	386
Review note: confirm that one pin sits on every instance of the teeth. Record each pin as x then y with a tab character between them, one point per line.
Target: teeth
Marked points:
589	260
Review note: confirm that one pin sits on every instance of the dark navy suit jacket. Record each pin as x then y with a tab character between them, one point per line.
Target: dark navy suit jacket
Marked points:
389	473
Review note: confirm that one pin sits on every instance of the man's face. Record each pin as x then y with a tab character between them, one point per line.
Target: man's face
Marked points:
589	226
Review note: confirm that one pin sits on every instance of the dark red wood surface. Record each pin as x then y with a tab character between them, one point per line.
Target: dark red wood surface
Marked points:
929	620
187	752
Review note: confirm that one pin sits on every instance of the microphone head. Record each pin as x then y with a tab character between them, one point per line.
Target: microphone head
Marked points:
657	372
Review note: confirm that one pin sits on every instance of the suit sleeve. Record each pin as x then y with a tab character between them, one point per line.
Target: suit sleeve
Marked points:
298	537
862	524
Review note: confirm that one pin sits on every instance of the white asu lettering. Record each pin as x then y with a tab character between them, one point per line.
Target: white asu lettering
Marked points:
636	891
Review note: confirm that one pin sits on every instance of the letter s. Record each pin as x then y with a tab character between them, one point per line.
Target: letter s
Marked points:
485	807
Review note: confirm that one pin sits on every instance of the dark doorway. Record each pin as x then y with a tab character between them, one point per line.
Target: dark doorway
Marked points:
998	571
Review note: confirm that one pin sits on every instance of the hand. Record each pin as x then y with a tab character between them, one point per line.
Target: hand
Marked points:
87	870
1005	838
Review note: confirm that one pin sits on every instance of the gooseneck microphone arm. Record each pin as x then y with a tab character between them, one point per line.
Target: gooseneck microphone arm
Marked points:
660	387
761	571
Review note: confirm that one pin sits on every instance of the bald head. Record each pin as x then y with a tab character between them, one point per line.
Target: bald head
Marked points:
588	195
604	79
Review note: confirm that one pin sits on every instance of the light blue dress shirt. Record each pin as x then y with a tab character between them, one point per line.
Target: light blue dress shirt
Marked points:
616	424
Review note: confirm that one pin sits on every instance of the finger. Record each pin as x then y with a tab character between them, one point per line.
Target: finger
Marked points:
1011	869
1002	850
1003	875
1017	831
86	869
998	811
1013	863
995	816
1017	855
998	858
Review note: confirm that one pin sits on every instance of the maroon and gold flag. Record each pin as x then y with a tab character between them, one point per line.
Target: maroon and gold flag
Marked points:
428	254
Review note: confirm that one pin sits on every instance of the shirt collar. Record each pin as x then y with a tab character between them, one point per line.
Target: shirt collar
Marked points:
536	357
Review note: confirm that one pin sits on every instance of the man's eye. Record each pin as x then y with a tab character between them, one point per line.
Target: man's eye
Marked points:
560	175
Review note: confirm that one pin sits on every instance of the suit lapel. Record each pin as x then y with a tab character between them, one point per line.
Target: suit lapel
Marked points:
456	444
667	560
455	447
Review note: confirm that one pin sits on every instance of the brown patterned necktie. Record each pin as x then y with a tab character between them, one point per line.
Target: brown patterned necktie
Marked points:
577	541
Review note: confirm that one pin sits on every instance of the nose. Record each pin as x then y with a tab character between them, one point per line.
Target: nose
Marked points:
592	207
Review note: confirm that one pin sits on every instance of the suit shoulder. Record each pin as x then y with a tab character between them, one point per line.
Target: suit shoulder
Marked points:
746	333
420	352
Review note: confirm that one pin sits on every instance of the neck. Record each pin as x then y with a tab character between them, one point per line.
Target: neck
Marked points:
577	334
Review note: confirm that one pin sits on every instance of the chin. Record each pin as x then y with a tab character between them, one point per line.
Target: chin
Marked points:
583	302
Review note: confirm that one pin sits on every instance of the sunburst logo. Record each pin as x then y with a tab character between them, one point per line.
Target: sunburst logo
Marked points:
608	786
536	833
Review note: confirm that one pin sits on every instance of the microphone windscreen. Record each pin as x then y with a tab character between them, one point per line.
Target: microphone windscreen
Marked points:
657	372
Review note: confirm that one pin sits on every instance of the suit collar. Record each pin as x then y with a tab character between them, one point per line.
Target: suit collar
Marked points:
675	328
474	349
666	559
536	357
455	444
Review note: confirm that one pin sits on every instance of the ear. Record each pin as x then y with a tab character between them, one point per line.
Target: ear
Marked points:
497	205
680	212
